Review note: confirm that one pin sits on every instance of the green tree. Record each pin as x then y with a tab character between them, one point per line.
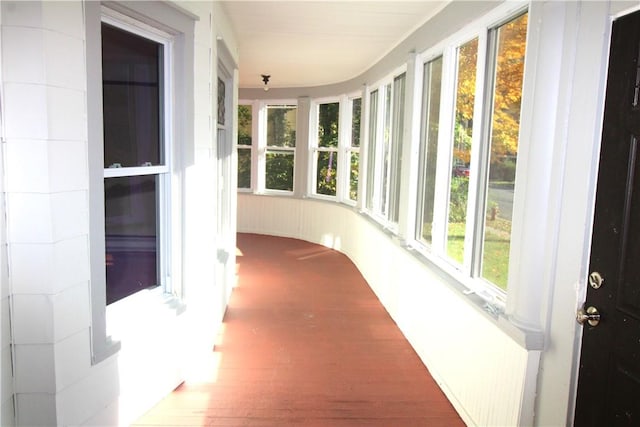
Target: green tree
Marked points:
328	131
244	139
356	117
279	171
281	126
244	125
281	132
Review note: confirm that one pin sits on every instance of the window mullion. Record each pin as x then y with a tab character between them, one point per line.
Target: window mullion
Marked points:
344	144
389	151
260	130
380	150
470	250
135	171
164	230
443	167
313	144
484	152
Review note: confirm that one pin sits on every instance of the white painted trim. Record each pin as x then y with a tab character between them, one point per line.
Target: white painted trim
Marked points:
135	171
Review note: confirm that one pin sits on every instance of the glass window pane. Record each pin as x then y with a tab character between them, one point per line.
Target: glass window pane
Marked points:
356	112
222	109
326	173
461	146
353	175
429	145
371	150
131	99
386	135
131	235
396	147
244	168
328	124
281	126
244	125
505	127
279	171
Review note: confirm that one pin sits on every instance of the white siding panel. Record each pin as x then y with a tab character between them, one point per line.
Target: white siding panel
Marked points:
18	43
27	117
485	374
27	156
73	359
35	409
262	216
32	319
7	414
50	61
70	214
71	311
81	400
67	114
64	61
49	269
34	368
62	18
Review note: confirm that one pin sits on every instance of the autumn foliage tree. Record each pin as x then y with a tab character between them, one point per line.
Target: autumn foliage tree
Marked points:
507	93
507	98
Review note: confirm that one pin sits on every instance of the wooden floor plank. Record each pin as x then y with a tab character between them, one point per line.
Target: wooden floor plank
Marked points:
306	343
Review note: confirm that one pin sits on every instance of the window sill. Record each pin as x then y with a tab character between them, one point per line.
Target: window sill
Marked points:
483	301
323	197
142	308
110	348
269	192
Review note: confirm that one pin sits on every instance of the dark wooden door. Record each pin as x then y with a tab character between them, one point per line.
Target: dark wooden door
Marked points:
609	377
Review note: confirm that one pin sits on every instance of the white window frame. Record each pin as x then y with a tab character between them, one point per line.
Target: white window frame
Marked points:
253	157
163	189
376	211
422	151
315	149
263	149
347	148
468	273
179	28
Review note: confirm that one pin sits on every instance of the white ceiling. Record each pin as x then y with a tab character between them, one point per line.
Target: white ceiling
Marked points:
313	43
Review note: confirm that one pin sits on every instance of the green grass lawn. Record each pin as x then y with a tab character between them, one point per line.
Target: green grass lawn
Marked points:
495	260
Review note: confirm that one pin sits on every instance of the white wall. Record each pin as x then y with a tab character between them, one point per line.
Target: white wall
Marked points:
48	195
7	416
47	199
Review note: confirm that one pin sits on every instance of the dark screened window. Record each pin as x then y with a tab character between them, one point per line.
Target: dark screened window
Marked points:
132	117
131	235
131	99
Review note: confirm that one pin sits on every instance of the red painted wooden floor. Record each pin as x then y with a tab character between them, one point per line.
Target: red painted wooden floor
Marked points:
306	342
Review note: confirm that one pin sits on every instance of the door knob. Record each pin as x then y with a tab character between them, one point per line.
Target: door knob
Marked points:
591	316
596	280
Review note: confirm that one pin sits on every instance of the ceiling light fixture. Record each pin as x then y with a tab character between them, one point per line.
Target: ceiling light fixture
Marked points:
265	79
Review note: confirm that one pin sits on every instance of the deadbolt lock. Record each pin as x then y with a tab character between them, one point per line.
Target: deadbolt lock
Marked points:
591	316
596	280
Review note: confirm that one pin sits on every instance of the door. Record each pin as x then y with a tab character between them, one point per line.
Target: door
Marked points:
609	377
224	149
